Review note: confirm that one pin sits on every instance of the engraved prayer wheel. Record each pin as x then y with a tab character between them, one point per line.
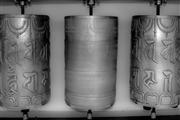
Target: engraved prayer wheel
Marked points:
155	61
25	67
90	61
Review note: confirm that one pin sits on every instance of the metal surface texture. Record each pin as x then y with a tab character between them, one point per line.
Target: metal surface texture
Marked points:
90	61
155	61
25	67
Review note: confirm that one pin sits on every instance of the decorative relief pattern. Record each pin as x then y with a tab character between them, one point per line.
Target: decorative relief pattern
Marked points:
177	48
141	26
167	80
39	25
149	51
166	100
12	101
11	56
41	28
149	79
25	61
167	25
155	55
147	24
35	54
31	83
177	82
151	98
144	49
30	51
44	53
30	100
135	78
2	25
17	28
169	53
45	78
26	100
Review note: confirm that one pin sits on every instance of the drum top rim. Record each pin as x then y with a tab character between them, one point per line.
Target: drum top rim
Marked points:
90	17
156	16
23	16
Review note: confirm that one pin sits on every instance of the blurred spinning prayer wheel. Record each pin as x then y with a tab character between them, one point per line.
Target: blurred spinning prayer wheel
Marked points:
90	61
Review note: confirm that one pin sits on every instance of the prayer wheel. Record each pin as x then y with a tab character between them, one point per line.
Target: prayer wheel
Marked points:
155	61
90	61
25	64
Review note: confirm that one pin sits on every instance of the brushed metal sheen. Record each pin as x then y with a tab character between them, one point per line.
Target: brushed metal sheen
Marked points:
25	67
90	61
155	61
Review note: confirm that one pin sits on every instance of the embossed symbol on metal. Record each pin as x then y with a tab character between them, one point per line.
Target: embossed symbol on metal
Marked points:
168	53
168	78
31	81
149	79
150	50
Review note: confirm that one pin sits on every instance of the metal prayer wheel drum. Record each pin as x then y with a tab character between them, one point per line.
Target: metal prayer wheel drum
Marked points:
90	61
155	61
25	51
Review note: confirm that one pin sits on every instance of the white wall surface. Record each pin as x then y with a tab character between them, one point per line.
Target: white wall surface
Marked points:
123	106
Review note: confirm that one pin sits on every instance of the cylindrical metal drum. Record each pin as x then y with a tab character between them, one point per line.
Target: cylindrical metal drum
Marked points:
90	61
155	61
25	67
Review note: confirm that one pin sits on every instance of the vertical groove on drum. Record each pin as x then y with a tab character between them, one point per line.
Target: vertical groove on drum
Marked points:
90	61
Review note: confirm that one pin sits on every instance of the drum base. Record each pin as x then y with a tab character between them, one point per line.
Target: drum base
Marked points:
85	108
147	106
